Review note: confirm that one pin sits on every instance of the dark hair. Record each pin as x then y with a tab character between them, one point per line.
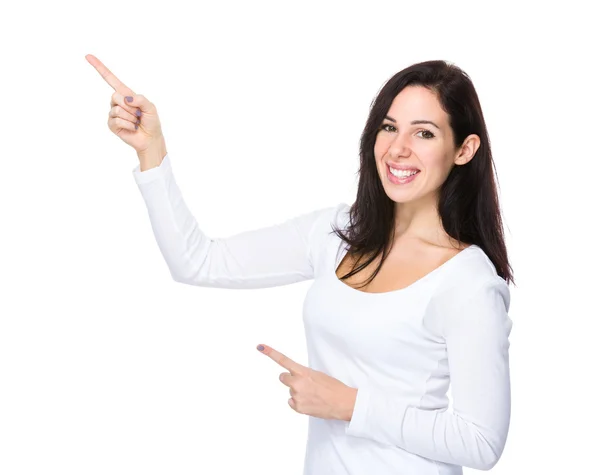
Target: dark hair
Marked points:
468	200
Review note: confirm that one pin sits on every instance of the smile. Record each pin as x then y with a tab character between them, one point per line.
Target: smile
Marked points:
401	177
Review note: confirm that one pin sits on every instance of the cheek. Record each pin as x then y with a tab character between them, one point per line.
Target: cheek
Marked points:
379	149
435	159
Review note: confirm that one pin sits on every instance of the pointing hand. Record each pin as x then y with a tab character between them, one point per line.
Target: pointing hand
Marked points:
314	393
135	122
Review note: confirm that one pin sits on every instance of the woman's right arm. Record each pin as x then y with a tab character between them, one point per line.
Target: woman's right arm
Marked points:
267	257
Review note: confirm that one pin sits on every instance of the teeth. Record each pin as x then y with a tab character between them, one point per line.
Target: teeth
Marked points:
402	173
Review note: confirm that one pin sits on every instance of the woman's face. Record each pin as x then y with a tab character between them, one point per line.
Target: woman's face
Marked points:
424	152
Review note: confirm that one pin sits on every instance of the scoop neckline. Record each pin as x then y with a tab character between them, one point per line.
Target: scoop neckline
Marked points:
409	287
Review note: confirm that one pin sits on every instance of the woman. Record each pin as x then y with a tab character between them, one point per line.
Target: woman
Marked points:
410	288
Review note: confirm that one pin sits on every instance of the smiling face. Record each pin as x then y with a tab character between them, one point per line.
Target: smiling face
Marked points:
415	139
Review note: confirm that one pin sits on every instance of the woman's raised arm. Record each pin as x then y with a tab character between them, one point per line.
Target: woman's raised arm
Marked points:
266	257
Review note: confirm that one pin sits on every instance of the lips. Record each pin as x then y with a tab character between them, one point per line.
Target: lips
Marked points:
401	180
402	167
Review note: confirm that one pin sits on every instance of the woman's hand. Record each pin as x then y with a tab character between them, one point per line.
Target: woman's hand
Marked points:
314	393
135	122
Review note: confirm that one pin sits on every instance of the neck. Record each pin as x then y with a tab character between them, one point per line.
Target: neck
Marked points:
420	220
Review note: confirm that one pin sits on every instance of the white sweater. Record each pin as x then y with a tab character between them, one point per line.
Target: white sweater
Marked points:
401	349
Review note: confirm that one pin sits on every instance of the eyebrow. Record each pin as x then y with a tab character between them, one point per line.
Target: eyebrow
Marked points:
415	122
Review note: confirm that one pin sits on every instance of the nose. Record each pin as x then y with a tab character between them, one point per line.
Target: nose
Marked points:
399	147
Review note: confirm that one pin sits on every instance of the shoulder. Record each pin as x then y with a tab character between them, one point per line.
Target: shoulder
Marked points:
474	272
322	221
333	216
474	264
470	294
341	214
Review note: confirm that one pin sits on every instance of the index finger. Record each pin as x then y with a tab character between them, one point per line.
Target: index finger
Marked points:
108	76
283	360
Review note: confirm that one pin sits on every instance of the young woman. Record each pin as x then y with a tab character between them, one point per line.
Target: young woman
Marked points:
410	288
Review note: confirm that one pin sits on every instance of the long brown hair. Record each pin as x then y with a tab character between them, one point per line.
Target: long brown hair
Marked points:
468	201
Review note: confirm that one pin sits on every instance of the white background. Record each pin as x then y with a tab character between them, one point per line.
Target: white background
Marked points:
107	366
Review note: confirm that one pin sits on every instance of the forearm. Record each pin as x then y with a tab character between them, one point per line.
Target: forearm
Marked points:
442	435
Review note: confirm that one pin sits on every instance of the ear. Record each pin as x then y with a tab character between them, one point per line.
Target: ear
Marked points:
467	150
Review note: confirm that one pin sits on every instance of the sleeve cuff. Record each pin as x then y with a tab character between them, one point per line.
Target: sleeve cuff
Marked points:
378	415
357	424
154	173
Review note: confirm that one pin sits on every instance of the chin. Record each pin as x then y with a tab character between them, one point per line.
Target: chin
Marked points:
404	192
399	199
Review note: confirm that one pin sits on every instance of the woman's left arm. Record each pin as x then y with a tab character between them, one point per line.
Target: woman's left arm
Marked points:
474	433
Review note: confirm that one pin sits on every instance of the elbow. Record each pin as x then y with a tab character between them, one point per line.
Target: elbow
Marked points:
486	464
488	454
196	280
484	461
177	277
183	273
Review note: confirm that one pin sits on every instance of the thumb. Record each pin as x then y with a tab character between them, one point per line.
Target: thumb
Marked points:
140	101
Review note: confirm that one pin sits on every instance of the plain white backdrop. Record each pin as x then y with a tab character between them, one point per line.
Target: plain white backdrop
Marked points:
107	366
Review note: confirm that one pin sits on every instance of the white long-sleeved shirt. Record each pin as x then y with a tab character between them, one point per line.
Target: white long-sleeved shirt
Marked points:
400	349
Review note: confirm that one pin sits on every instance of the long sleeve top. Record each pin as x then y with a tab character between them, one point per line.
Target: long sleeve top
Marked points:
401	349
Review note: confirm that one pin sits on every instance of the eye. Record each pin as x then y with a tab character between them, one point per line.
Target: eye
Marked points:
427	132
429	135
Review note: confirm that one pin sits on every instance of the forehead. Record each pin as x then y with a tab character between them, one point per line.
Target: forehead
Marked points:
417	103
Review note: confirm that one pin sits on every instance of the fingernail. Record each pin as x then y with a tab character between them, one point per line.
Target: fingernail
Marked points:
138	112
129	98
260	347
